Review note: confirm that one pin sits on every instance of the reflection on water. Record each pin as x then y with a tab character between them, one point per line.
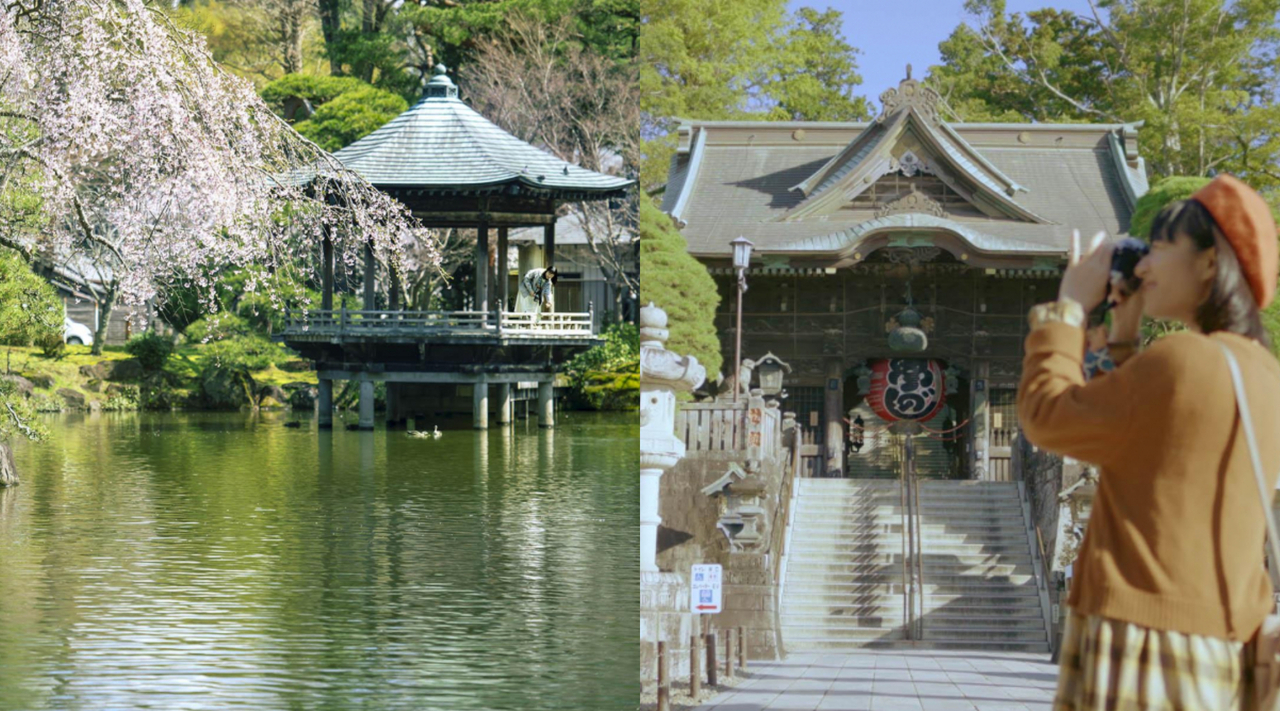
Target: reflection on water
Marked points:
224	561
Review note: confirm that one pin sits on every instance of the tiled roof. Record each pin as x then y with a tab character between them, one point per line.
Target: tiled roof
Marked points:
746	174
442	142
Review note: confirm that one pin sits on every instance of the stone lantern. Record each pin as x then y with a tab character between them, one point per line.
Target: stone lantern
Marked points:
771	370
662	375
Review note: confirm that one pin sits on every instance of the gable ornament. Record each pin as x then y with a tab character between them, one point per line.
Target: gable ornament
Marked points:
910	94
914	201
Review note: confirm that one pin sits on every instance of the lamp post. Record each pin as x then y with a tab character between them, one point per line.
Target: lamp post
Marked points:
741	260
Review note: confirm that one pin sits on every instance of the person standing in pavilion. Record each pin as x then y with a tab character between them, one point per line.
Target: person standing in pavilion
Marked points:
537	292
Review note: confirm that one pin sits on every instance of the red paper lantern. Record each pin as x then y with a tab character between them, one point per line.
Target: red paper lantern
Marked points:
907	389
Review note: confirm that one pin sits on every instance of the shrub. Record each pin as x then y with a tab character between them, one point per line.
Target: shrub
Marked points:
151	349
680	285
247	353
218	327
52	345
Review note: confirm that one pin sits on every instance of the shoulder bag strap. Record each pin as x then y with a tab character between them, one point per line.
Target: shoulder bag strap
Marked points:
1242	404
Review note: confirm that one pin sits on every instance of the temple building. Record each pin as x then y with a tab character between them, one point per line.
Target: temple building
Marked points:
893	263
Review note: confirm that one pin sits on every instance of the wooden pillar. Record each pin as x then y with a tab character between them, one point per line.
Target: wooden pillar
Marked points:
549	244
393	299
482	268
324	404
832	417
980	457
480	403
370	269
366	404
503	278
504	403
326	274
546	404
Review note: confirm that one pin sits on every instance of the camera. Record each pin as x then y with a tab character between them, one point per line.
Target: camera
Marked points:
1128	252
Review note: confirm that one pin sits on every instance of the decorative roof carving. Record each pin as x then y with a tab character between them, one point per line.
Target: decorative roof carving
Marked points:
910	94
910	165
914	201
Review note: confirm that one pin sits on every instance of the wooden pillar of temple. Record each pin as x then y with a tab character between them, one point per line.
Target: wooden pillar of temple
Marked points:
370	267
482	268
326	272
980	458
393	298
549	244
503	269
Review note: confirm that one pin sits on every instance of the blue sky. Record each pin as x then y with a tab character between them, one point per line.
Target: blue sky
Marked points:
893	33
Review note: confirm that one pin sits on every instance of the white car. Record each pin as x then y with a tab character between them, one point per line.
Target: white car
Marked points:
76	333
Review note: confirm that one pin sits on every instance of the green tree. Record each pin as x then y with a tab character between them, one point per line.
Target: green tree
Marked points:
343	109
1200	74
32	313
680	285
745	60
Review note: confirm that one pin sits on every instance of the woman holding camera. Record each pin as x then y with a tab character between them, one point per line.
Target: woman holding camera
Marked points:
1169	583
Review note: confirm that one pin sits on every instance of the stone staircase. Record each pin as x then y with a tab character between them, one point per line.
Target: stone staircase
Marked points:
844	572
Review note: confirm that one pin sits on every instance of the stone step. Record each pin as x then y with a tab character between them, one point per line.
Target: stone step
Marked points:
931	548
842	622
841	515
803	645
929	569
977	601
967	588
956	634
824	540
895	557
893	606
803	576
976	510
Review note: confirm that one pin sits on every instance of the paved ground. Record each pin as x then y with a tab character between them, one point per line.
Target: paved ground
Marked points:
874	680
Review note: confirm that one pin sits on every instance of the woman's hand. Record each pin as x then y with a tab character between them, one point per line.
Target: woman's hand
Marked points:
1088	273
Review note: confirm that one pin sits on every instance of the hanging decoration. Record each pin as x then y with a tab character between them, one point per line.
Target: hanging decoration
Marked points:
907	389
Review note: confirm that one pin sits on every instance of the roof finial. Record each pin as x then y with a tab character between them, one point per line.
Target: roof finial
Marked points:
908	71
441	86
441	69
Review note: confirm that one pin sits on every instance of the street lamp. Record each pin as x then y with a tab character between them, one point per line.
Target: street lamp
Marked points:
741	260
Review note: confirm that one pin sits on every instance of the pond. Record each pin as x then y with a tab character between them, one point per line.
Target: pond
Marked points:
206	560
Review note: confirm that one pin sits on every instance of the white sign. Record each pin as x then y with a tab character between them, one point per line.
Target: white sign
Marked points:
705	580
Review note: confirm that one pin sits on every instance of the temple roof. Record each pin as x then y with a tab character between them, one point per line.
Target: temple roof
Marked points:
442	143
826	188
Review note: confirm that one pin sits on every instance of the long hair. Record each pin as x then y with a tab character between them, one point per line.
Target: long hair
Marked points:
1230	305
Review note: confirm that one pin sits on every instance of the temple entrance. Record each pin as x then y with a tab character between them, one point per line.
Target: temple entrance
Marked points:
877	447
1004	433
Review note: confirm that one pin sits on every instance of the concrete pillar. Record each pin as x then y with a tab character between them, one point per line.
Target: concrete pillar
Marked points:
662	374
324	404
980	457
326	272
504	403
546	404
832	414
392	417
366	404
480	404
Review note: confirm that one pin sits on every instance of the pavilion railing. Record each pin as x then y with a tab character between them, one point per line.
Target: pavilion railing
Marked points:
346	322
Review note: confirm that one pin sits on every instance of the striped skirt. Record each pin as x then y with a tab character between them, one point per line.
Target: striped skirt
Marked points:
1108	664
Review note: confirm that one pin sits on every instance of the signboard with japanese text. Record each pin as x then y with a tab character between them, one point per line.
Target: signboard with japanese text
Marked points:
705	588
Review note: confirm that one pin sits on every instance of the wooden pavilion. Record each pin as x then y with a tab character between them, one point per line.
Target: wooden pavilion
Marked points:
452	168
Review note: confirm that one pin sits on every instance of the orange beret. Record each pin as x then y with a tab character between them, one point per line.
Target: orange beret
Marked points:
1246	222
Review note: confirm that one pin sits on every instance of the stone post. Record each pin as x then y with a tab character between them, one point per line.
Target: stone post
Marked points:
504	403
662	375
546	403
480	403
664	596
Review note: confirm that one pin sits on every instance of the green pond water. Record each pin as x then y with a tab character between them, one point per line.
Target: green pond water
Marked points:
224	561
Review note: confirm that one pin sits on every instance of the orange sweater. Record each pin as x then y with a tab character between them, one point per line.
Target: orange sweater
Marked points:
1176	534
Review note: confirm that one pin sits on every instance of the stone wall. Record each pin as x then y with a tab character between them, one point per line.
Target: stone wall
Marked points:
689	535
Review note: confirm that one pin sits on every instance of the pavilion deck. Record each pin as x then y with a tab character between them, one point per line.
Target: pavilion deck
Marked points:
442	327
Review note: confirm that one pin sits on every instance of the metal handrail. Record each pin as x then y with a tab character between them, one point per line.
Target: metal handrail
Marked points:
908	599
918	553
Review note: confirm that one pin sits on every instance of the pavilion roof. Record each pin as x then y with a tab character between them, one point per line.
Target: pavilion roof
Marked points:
443	144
